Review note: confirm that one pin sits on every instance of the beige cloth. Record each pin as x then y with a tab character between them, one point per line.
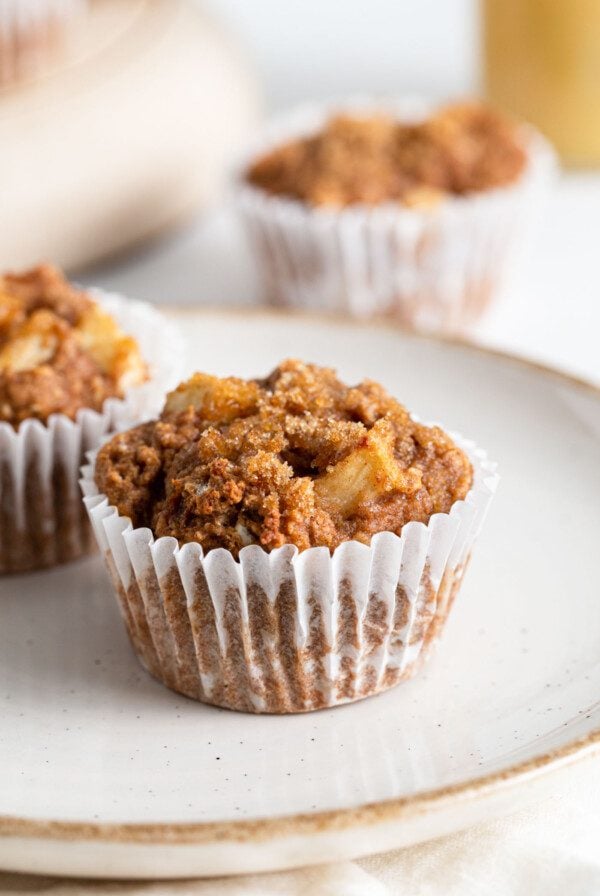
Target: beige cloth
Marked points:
552	849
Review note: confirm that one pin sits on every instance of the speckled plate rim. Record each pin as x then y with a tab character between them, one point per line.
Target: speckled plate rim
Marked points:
303	824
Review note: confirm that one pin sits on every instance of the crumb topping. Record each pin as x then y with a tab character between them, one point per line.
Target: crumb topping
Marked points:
297	457
59	351
463	148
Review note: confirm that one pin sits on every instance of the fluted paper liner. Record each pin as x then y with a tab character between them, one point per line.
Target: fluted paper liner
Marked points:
31	33
434	269
287	631
42	522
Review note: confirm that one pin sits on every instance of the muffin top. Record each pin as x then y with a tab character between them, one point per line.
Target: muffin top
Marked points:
59	351
297	457
461	149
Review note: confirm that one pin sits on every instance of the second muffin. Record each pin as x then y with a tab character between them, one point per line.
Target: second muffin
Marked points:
73	366
310	537
393	209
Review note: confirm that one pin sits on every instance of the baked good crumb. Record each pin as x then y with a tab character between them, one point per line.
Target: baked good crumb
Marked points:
462	148
59	350
297	457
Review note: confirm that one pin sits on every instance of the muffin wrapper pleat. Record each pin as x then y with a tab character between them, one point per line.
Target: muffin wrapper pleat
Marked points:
42	521
31	33
434	269
287	631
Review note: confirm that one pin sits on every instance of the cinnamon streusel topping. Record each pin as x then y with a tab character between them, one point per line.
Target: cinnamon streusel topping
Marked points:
59	351
463	148
298	458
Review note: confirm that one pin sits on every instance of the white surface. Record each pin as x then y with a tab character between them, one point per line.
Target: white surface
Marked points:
550	311
87	735
310	49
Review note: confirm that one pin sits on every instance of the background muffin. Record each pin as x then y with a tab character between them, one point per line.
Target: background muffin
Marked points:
310	537
390	210
33	34
70	370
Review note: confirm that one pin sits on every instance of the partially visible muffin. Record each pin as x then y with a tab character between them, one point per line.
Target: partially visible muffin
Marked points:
34	35
69	373
295	458
59	350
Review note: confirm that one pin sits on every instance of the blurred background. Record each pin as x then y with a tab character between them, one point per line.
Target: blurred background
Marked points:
116	147
307	50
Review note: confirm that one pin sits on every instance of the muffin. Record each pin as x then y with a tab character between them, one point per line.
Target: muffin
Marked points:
73	366
33	35
287	543
380	210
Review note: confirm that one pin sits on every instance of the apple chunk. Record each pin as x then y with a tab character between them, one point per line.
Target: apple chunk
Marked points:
32	344
116	353
216	400
368	473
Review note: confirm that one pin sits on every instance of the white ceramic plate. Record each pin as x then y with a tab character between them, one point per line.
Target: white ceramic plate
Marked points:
104	772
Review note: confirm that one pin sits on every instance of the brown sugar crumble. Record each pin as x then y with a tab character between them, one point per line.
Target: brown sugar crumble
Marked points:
461	149
297	457
59	351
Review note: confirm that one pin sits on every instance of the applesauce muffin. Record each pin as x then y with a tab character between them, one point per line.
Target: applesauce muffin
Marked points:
296	542
69	371
391	209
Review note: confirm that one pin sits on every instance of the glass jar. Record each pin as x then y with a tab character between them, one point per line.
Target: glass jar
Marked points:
542	63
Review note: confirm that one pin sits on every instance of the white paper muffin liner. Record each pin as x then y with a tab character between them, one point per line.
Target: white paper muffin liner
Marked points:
42	521
286	631
434	269
31	32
